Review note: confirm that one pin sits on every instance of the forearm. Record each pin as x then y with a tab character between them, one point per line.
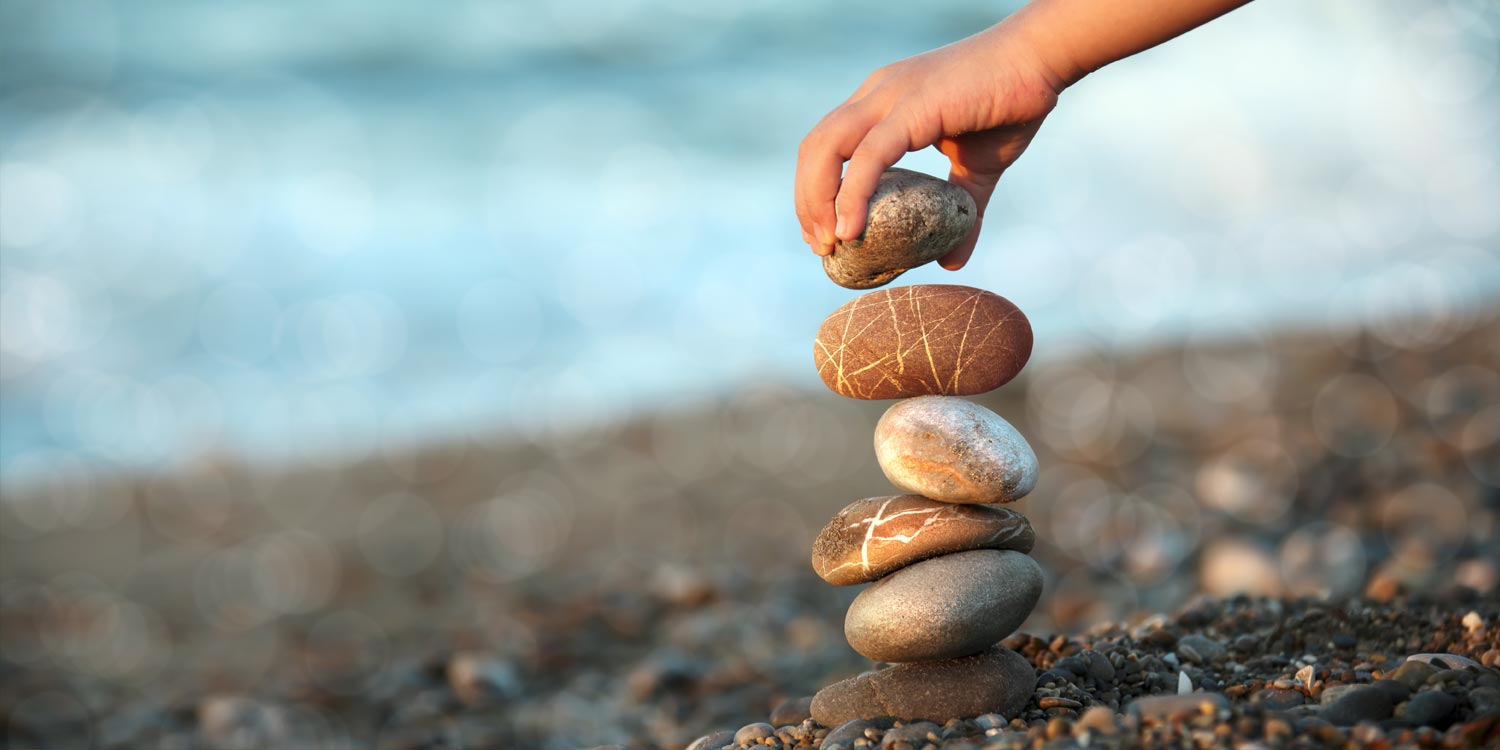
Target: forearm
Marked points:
1073	38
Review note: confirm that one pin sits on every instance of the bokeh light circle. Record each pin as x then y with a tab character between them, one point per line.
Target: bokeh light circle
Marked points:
1427	515
346	652
1323	559
49	718
294	571
1355	414
1254	481
499	320
400	534
511	536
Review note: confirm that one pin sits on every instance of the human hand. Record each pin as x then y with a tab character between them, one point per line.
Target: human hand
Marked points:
980	101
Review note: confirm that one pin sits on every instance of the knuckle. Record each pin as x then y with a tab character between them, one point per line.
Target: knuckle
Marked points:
806	146
881	73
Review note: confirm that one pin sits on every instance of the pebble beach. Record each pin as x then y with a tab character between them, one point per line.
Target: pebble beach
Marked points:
1244	545
360	391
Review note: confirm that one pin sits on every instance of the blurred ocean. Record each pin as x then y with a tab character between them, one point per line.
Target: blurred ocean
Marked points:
334	227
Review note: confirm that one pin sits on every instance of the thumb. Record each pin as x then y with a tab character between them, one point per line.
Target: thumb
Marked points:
980	189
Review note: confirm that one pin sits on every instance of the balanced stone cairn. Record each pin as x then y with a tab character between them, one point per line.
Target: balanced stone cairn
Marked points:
947	564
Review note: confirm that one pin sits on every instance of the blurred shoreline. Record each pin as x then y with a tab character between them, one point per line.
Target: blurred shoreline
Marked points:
548	422
1310	464
1122	399
301	229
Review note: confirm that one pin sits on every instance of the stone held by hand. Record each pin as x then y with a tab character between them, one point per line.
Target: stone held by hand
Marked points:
914	219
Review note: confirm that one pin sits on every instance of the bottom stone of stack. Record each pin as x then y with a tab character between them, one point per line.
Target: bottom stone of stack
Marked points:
997	680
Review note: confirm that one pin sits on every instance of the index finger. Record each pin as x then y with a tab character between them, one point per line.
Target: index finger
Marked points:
820	164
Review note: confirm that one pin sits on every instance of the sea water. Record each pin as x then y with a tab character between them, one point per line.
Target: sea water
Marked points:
292	228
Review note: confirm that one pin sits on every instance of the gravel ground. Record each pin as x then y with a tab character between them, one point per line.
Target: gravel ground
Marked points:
1313	509
1244	672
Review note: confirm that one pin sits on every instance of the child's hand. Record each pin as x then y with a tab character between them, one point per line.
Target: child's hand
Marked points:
979	101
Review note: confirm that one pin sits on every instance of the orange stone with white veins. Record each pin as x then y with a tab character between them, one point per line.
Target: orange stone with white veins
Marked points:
929	339
874	537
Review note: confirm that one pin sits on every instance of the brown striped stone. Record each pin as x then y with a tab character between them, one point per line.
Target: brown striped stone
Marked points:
929	339
874	537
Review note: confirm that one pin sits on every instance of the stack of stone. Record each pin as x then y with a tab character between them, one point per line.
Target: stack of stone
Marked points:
947	565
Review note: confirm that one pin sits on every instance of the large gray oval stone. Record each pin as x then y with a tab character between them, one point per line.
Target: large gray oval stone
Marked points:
945	607
996	681
914	219
955	451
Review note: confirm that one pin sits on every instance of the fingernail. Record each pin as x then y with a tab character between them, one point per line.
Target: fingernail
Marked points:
838	228
824	238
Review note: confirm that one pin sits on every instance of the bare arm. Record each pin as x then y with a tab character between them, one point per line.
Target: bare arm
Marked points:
979	100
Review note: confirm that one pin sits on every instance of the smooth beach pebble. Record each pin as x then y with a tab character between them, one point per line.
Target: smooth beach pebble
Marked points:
944	607
751	734
713	740
930	339
953	450
995	681
791	711
914	219
1445	661
1431	707
1200	649
846	734
1363	703
876	536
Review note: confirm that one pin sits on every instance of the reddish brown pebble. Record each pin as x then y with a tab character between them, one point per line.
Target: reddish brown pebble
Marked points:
931	339
872	538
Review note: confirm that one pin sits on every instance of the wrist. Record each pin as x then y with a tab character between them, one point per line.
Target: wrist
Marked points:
1032	33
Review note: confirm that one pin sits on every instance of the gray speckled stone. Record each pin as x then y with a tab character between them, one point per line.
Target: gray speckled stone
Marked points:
995	681
944	607
914	219
954	451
